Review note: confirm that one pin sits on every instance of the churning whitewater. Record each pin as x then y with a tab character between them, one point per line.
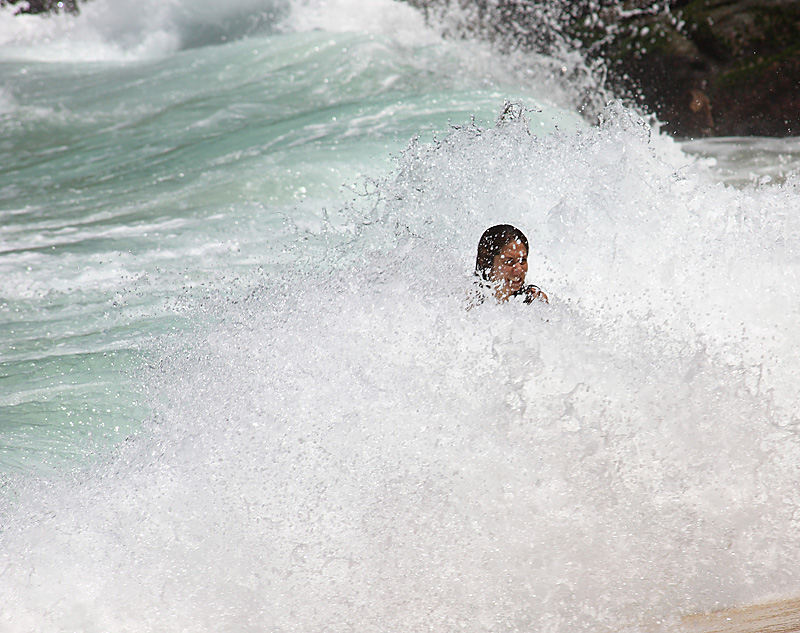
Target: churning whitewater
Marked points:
241	390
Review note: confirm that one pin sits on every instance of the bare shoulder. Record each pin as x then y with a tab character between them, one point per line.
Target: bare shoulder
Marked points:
534	293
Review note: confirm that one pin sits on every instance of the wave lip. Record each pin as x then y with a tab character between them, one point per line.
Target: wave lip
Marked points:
115	30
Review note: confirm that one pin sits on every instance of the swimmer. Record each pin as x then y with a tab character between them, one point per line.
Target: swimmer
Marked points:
502	264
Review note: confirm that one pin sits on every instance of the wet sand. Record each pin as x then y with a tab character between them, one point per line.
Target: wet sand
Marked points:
780	616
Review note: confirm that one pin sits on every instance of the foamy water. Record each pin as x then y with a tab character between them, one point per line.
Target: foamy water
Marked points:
242	390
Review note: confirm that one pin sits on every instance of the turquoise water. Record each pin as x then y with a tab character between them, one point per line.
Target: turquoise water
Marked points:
132	185
238	386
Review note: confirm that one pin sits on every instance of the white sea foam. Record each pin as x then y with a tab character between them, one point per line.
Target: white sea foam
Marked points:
334	443
348	448
116	30
385	17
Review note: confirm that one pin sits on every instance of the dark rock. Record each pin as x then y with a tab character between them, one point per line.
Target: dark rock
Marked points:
704	67
43	6
732	69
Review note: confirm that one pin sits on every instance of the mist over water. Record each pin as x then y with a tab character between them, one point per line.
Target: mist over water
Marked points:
259	302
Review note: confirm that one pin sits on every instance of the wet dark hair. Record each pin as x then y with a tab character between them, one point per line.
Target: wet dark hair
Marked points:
494	240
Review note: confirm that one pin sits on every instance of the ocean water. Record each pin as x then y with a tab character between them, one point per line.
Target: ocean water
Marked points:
239	388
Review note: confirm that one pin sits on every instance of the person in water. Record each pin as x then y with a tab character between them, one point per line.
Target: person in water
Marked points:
502	264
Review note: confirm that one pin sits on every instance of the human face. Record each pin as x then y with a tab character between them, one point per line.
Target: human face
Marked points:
509	268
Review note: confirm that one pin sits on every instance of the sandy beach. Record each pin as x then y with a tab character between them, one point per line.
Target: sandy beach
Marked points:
779	616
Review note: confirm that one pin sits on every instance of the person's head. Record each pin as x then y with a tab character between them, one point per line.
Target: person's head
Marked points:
503	259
